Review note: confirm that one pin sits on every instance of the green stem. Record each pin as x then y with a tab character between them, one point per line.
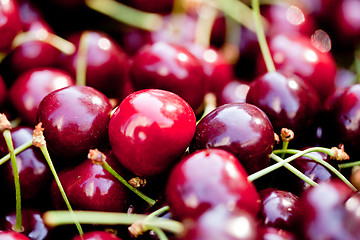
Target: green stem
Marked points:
285	145
204	25
74	220
158	212
160	233
18	224
17	150
126	14
108	168
348	165
261	37
81	60
322	162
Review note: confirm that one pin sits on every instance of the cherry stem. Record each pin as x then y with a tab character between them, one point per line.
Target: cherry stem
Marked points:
286	136
204	24
348	165
322	162
108	168
74	220
81	59
56	218
18	224
126	14
160	233
261	37
17	150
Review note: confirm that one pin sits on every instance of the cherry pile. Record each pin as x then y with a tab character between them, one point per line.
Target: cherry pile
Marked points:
179	119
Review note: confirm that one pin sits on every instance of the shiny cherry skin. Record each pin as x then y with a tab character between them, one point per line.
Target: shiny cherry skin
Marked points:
32	223
296	54
206	179
322	213
32	86
97	235
220	222
11	25
10	235
288	101
169	67
277	208
34	172
234	91
106	62
75	119
240	128
270	233
90	187
150	130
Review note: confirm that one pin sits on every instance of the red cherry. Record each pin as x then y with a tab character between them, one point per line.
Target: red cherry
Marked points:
32	86
9	235
97	235
75	120
150	130
234	91
11	25
206	179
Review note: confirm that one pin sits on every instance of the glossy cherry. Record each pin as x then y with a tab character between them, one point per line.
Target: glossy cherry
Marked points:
11	25
97	235
206	179
270	233
169	67
297	55
75	120
3	92
150	130
33	170
90	187
32	86
234	91
240	128
106	62
10	235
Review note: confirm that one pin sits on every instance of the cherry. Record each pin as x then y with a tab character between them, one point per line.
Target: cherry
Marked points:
150	130
90	187
97	235
240	128
169	67
234	91
75	119
106	62
222	223
9	235
278	207
9	10
297	55
3	92
287	100
32	86
270	233
206	179
33	224
34	173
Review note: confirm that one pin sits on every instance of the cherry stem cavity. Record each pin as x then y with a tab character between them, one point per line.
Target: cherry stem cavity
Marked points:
81	60
270	66
126	14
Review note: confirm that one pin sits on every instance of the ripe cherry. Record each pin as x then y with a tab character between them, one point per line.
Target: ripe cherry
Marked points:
11	25
97	235
206	179
150	130
9	235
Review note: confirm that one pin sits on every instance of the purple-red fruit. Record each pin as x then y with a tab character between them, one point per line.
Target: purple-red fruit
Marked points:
97	235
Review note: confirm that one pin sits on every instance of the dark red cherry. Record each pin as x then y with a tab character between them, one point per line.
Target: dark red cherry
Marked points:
270	233
220	222
97	235
297	55
287	100
206	179
32	223
278	208
10	235
3	92
240	128
32	86
11	25
89	186
150	130
169	67
234	91
106	62
322	213
75	119
33	170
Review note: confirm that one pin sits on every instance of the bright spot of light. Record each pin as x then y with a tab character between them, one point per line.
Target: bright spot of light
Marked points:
210	56
182	57
104	43
293	84
310	55
239	227
321	40
294	15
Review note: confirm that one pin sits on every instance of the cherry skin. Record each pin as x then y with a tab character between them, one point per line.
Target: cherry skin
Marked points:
9	235
34	172
234	91
75	120
206	179
97	235
32	223
240	128
150	130
287	100
3	92
32	86
90	187
9	10
270	233
106	62
169	67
